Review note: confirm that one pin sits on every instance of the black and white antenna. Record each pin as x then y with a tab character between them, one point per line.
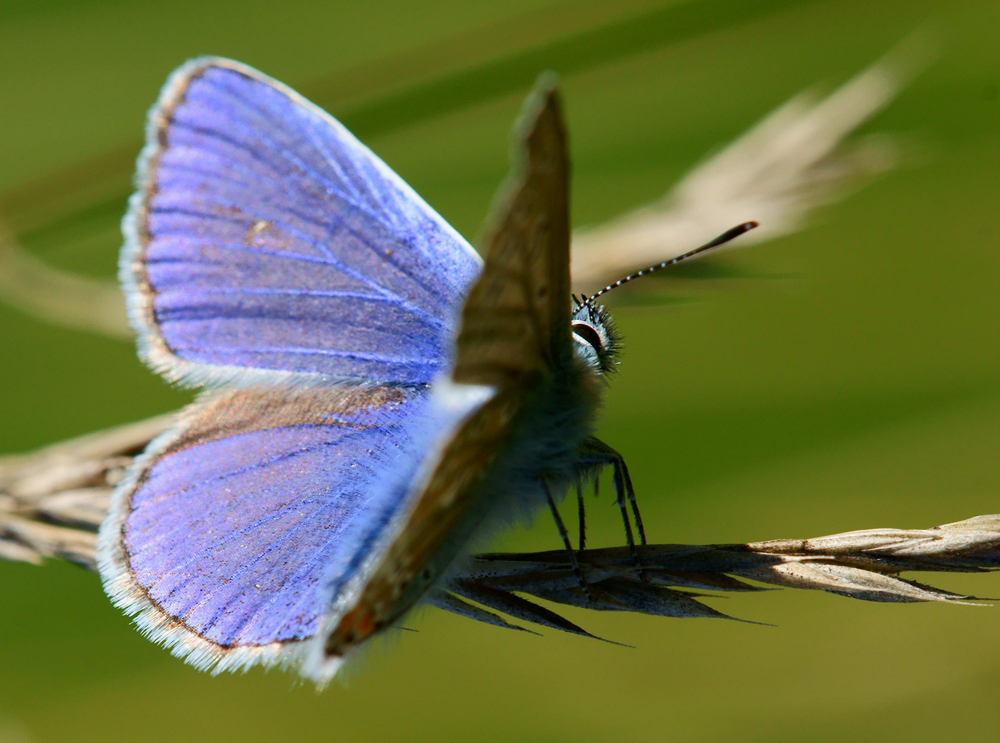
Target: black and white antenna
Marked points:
720	240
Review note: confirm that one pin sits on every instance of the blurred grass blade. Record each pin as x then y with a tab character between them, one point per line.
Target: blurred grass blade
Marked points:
405	89
589	49
796	159
29	540
58	297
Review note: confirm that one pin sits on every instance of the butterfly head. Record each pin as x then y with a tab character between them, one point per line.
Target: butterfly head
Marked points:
596	340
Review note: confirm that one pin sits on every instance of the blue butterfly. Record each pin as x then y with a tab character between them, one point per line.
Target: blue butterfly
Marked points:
377	396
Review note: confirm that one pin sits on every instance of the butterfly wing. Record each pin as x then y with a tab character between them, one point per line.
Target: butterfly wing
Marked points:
269	505
515	331
264	237
516	321
220	541
265	246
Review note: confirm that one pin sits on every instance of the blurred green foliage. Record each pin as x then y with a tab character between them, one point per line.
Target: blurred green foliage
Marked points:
844	377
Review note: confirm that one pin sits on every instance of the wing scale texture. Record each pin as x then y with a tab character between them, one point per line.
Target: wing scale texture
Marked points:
264	236
223	539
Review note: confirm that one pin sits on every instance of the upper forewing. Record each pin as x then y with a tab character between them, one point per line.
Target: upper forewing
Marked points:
516	320
264	236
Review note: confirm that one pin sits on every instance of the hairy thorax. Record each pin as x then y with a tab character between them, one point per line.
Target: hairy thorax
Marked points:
543	449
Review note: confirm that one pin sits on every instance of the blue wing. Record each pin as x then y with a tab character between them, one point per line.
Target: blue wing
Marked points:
224	541
264	236
265	244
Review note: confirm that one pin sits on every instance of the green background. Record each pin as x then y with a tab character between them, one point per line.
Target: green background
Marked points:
844	377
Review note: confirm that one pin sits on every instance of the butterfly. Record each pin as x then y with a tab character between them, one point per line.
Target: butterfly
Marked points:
376	396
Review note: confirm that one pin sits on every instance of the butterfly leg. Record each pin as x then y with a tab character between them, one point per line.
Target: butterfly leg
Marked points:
630	493
582	512
565	537
597	453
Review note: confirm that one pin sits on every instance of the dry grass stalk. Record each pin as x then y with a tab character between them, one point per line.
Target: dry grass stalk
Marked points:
53	500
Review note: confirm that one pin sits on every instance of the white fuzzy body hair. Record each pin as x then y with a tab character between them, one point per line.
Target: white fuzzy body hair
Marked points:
543	445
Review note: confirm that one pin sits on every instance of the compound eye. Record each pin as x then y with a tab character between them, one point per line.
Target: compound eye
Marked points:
587	333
